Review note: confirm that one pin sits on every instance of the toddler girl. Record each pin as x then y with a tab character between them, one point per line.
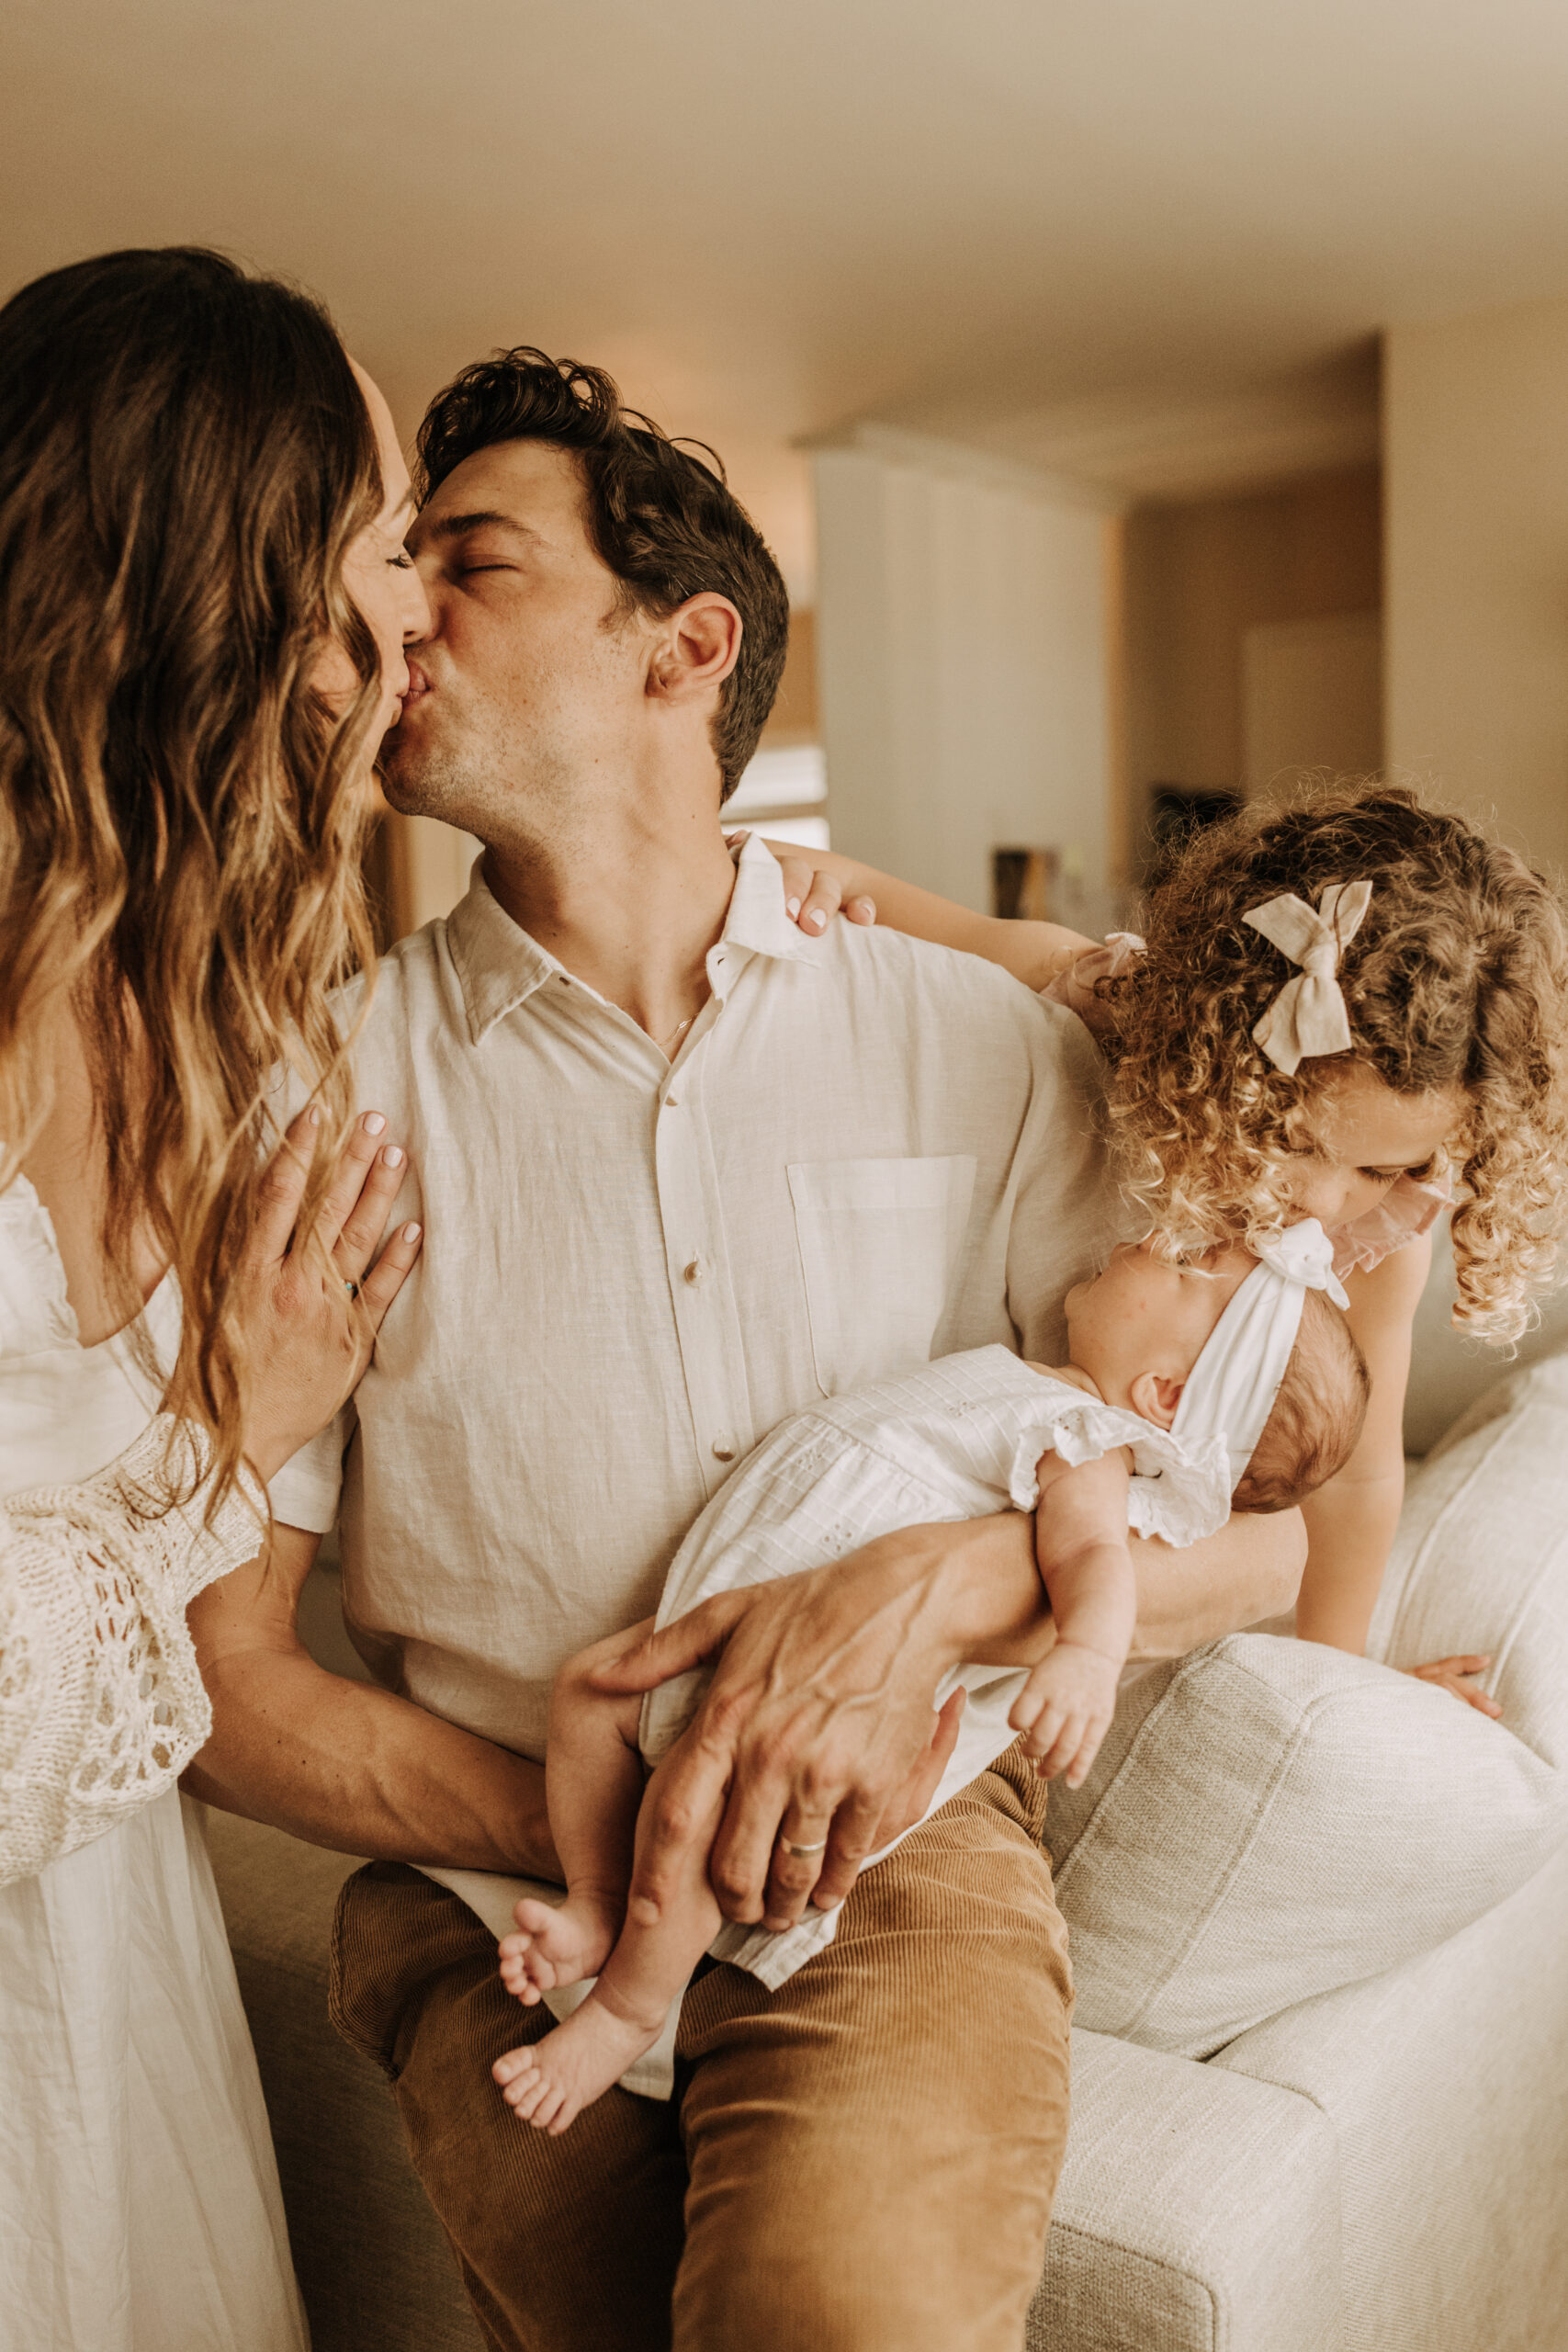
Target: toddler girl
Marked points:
1192	1389
1355	1008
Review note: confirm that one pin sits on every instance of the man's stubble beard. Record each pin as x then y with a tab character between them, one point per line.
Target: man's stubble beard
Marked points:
478	789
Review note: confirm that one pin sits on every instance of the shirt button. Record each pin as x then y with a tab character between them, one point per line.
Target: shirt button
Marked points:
724	1447
671	1101
694	1273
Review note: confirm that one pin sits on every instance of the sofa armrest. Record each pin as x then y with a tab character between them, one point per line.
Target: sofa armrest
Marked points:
1189	2219
1443	2081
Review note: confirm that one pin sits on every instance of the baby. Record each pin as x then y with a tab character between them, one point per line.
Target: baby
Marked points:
1192	1390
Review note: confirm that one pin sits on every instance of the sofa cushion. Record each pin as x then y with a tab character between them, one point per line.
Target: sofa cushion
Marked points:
1269	1819
1481	1562
1449	1371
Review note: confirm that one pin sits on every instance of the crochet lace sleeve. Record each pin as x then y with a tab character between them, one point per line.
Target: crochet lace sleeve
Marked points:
101	1704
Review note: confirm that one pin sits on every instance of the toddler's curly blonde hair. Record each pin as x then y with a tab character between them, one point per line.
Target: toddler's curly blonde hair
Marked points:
1458	977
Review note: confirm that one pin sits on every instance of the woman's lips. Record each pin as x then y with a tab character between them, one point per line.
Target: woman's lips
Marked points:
418	685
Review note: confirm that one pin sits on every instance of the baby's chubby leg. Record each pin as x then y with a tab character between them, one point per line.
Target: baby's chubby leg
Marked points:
654	1954
594	1781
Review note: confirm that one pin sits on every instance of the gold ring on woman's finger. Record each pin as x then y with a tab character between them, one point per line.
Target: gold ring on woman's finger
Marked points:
801	1853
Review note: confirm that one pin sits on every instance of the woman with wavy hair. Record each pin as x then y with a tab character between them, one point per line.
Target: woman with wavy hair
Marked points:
203	604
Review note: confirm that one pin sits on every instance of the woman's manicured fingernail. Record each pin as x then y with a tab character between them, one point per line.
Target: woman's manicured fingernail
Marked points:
393	1155
792	908
314	1114
817	918
410	1233
870	906
373	1123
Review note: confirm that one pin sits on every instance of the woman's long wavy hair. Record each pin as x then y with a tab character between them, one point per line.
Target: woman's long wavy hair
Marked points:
1457	978
184	458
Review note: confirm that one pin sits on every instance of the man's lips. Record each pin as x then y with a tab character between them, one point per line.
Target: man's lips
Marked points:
418	685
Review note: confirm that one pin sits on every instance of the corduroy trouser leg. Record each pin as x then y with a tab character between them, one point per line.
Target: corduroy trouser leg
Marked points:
862	2161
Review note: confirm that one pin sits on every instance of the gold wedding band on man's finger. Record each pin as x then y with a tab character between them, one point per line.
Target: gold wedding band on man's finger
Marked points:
801	1853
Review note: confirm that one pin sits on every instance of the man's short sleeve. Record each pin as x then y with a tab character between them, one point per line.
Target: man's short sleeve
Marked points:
305	1491
1068	1213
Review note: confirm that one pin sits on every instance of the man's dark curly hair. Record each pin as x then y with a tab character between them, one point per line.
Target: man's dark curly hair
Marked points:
668	526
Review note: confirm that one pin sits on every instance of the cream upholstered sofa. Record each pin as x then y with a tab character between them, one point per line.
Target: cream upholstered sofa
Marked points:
1320	1924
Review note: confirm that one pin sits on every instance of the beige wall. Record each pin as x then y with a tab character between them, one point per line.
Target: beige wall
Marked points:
964	667
1199	575
1475	423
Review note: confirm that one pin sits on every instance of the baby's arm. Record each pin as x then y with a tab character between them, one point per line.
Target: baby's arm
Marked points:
1065	1708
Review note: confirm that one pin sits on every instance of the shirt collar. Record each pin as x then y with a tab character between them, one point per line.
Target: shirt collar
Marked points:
757	920
500	966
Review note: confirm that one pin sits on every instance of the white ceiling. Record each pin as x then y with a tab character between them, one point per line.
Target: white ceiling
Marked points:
1128	238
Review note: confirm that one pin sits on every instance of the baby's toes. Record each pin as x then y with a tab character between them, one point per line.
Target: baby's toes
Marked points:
522	2094
511	2063
534	2099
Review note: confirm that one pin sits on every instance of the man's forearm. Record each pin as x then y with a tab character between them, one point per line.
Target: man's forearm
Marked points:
1251	1570
347	1765
998	1614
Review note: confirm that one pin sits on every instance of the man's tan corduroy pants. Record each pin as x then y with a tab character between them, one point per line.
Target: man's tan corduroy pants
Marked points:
862	2161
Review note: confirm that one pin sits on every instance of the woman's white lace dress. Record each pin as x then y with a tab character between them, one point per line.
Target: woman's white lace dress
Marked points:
138	2189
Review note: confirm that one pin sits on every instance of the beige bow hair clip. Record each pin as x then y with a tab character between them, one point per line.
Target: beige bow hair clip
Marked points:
1308	1016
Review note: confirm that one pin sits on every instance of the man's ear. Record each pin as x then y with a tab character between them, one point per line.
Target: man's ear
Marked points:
1155	1397
698	646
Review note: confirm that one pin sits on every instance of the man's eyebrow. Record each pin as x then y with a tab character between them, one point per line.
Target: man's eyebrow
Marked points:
455	527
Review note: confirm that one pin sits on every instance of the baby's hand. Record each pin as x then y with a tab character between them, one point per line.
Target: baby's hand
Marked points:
1065	1709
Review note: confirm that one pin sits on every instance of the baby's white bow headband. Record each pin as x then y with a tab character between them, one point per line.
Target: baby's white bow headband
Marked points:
1231	1390
1308	1016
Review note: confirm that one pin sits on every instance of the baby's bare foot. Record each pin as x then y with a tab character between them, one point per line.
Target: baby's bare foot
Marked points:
558	1944
552	2081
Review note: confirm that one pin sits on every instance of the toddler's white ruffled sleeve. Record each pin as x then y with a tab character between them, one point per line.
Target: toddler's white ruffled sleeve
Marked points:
101	1703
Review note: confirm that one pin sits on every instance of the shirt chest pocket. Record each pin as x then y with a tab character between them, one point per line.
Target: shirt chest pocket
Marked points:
880	1241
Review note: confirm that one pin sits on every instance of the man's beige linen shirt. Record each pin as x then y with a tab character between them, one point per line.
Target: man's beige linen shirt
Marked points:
868	1151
